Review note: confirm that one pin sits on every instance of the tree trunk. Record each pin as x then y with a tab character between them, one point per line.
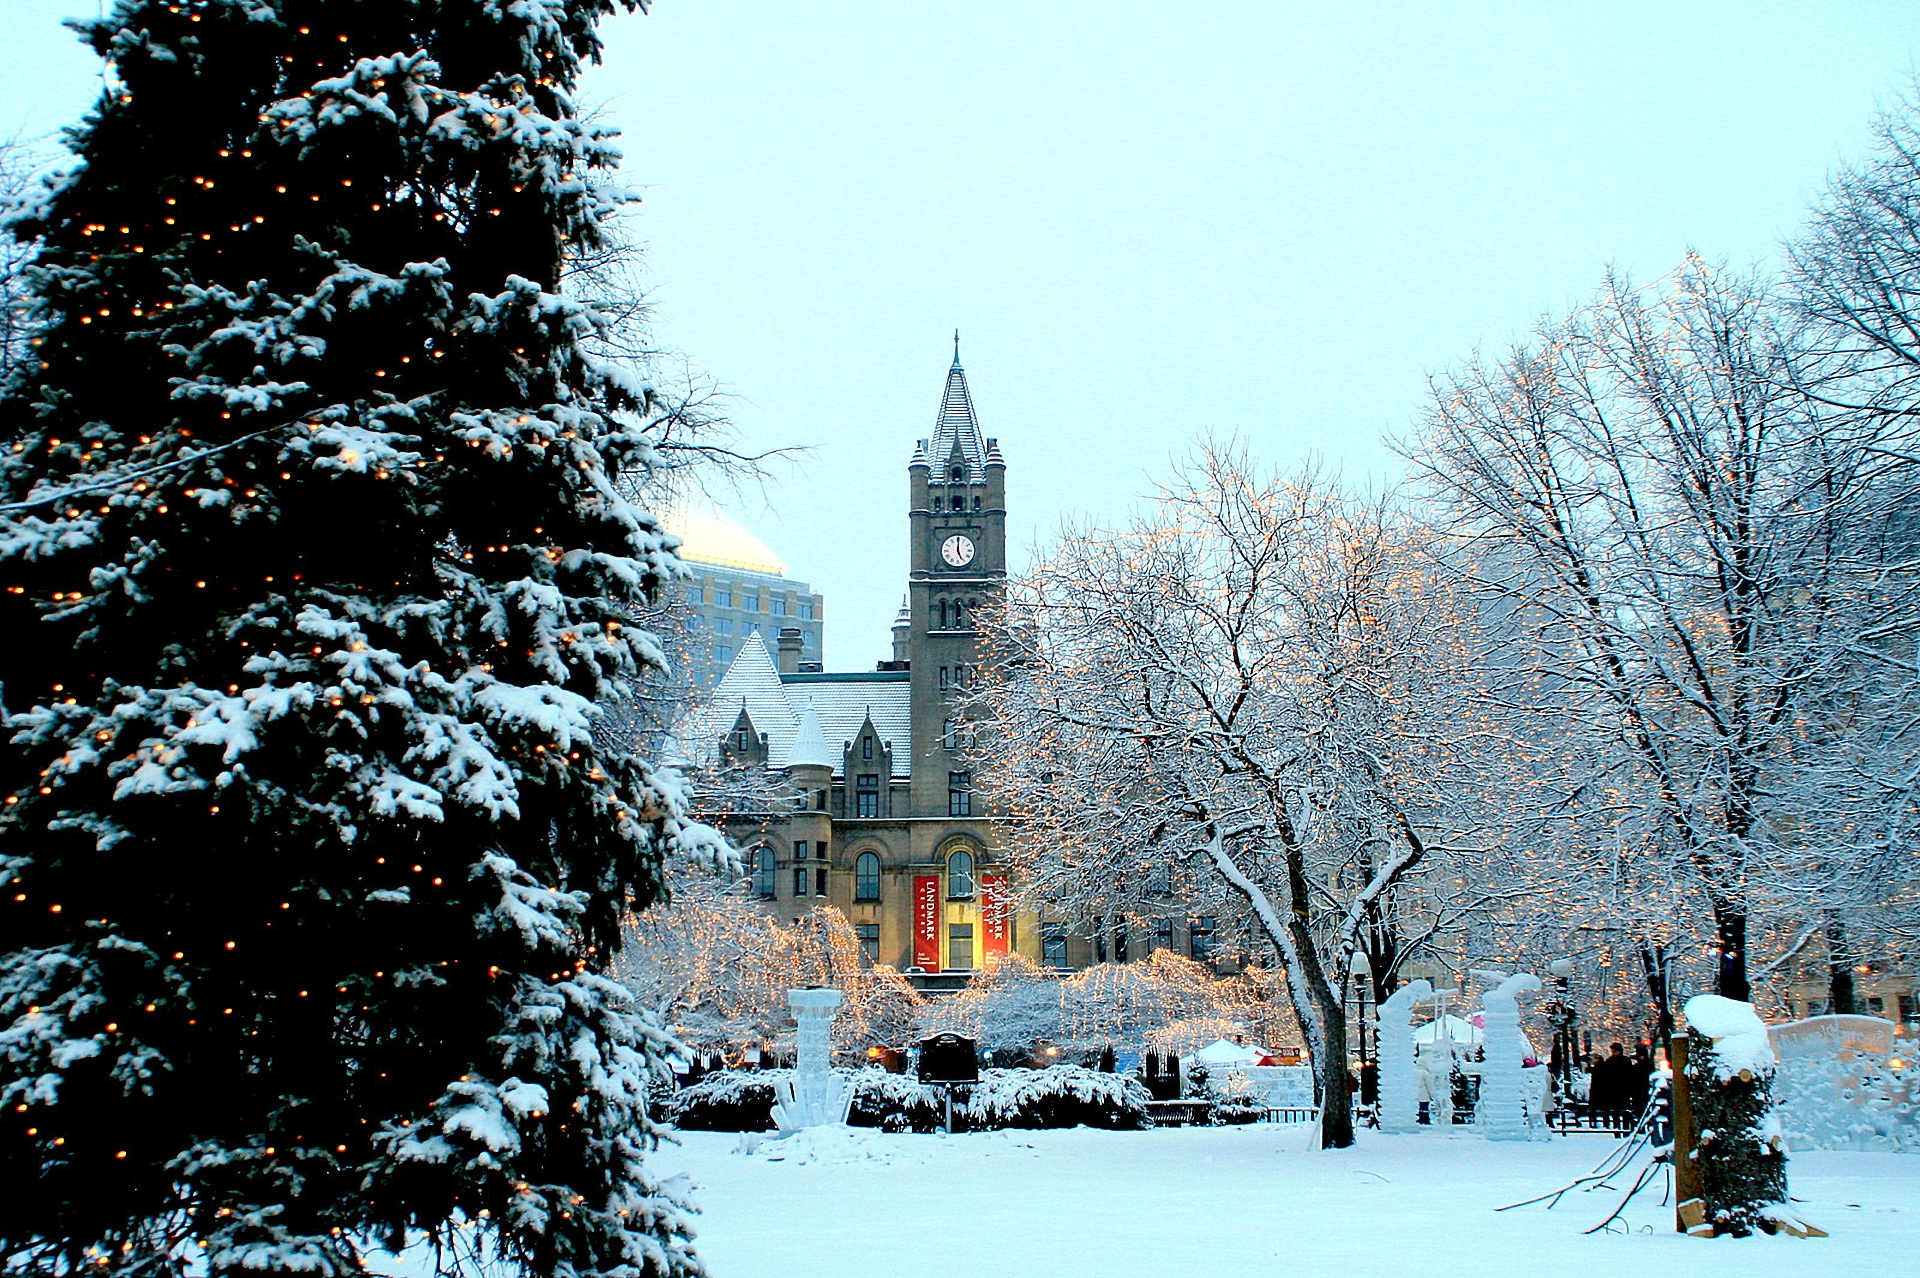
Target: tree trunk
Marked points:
1730	938
1654	962
1840	993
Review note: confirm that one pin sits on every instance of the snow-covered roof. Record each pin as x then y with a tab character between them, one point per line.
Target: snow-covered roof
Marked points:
775	703
955	428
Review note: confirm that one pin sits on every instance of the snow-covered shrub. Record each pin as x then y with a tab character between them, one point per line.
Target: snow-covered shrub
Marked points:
742	1101
1739	1147
727	1101
892	1102
1232	1111
1062	1096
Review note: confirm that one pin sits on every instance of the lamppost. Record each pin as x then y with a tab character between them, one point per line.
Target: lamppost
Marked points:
1362	972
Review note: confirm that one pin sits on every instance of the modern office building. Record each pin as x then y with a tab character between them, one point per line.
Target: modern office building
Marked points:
739	589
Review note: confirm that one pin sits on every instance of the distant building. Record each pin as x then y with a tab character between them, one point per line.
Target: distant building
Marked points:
739	589
889	829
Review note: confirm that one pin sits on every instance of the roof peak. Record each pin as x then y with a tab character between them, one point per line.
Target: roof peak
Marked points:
956	429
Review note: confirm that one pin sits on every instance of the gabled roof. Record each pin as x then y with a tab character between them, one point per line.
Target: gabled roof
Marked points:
955	430
841	703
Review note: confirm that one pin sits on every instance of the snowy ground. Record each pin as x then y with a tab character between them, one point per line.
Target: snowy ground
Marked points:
1225	1201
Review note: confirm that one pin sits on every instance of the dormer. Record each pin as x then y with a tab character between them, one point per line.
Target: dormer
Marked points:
866	764
744	746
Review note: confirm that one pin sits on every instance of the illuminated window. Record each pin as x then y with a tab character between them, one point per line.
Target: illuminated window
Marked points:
763	874
960	876
866	877
959	947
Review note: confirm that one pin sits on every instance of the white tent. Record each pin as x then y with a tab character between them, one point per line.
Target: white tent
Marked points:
1221	1052
1463	1032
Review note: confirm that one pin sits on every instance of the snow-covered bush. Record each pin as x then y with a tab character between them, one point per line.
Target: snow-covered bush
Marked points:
1233	1111
1739	1148
742	1101
727	1101
892	1102
1062	1096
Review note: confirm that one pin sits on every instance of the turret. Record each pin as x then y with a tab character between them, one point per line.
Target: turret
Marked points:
902	629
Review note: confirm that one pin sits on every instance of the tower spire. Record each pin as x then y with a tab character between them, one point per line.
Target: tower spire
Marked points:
956	348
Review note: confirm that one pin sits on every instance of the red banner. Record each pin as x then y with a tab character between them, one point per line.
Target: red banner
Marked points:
926	922
993	912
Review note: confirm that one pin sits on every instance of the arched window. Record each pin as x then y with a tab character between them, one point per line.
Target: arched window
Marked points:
866	877
763	874
960	876
959	474
976	503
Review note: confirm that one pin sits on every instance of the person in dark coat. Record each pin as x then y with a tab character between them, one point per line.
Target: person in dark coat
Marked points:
1612	1089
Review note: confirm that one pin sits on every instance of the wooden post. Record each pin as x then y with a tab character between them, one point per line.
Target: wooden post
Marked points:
1689	1211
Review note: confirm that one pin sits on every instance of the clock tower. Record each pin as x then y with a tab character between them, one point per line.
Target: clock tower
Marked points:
957	512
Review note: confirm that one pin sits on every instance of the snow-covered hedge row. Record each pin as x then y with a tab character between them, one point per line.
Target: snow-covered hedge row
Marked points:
892	1102
742	1101
726	1101
1061	1096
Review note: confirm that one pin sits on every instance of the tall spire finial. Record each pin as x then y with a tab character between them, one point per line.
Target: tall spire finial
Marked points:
956	348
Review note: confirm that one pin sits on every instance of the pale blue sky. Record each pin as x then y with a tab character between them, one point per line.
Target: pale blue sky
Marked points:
1154	220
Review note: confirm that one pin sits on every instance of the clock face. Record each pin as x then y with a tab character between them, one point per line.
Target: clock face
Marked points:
957	550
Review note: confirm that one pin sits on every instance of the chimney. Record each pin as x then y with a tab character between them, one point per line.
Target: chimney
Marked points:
789	645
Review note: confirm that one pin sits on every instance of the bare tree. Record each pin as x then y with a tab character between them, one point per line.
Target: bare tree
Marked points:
1697	548
1256	694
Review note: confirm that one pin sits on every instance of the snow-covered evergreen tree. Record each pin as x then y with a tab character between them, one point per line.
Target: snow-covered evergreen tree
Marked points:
1740	1149
316	565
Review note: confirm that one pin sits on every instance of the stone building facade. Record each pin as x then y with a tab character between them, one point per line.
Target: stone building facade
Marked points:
886	824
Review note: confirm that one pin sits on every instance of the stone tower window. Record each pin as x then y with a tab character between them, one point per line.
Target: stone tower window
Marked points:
866	877
866	747
959	474
763	874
